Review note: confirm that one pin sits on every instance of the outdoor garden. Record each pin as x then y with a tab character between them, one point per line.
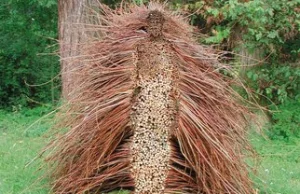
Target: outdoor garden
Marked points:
258	39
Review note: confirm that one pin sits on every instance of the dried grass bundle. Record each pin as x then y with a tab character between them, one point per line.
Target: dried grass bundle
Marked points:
150	113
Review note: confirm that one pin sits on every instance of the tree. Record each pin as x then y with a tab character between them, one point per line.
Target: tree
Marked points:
73	16
69	13
27	69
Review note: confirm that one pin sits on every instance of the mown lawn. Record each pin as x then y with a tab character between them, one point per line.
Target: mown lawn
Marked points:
21	140
22	136
278	165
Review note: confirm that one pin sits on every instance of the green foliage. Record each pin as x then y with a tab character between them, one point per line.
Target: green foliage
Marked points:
275	83
278	86
286	121
267	23
27	33
221	33
271	26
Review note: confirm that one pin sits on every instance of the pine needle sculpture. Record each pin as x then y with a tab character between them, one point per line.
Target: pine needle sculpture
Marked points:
150	114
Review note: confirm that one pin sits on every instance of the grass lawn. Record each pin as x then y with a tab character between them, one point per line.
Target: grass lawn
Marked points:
278	170
22	136
19	145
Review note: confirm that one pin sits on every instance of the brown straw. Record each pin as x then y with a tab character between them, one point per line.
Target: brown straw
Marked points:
150	113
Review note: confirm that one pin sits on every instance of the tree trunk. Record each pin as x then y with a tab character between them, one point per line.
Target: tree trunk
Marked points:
69	13
72	17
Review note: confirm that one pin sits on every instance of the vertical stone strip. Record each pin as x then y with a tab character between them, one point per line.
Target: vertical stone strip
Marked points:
153	112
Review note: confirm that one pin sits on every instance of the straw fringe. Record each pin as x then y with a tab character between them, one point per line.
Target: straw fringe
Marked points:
207	143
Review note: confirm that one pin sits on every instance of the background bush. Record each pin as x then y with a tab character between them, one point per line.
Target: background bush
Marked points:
286	121
28	37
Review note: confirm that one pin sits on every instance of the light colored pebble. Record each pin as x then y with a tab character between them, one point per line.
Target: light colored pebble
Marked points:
152	117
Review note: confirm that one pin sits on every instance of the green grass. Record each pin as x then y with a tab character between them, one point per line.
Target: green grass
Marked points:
20	143
278	170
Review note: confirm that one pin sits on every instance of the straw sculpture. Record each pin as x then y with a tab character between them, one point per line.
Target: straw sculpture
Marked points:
151	113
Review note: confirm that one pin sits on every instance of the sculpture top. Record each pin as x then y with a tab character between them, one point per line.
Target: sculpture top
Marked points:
155	21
